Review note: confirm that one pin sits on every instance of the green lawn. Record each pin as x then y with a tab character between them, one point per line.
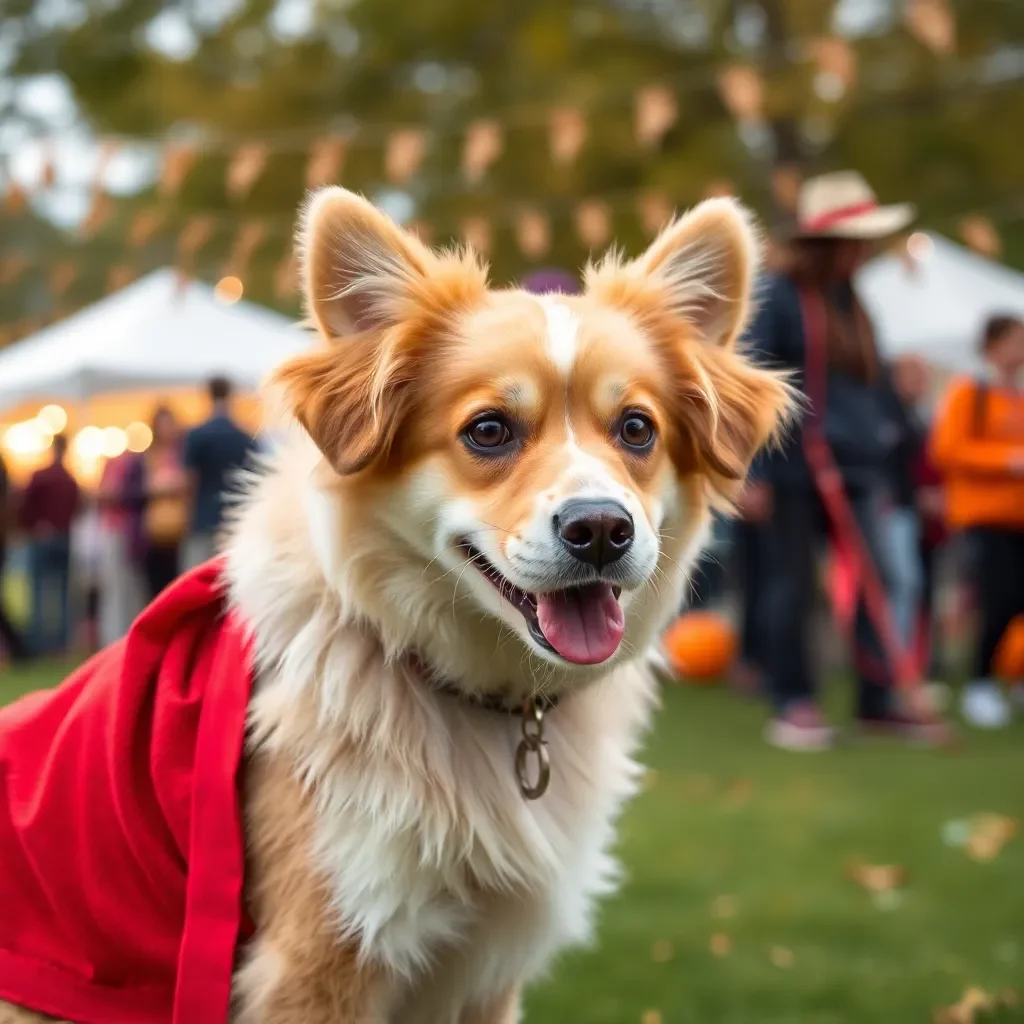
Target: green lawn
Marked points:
747	849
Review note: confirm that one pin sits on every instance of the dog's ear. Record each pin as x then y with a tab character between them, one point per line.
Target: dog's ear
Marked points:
358	266
725	409
377	295
703	265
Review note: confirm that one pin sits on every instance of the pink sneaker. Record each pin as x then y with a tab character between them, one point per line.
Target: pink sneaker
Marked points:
801	728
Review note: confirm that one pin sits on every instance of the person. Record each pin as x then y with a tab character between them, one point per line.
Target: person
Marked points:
978	445
214	452
812	324
156	486
12	641
120	584
48	508
904	390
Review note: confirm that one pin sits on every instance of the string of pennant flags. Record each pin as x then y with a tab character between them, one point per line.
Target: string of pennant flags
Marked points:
532	226
655	111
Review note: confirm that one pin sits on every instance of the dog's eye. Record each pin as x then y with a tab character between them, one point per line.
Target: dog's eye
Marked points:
636	431
488	433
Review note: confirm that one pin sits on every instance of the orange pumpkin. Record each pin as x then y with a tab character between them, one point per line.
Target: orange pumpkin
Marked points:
1009	660
701	646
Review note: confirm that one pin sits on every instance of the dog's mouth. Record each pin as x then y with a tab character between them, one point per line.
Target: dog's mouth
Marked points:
582	624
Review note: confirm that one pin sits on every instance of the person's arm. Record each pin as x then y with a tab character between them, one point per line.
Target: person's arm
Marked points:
956	447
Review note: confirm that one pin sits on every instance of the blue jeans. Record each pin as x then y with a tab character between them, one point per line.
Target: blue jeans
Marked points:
49	562
902	538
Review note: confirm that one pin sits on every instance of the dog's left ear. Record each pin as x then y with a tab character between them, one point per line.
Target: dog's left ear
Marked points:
704	265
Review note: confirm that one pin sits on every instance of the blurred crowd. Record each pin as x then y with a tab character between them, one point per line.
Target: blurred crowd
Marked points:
94	560
902	486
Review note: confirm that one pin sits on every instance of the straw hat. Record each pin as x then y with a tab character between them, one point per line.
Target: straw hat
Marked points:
842	205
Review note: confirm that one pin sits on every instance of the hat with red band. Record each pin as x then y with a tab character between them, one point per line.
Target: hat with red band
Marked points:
843	205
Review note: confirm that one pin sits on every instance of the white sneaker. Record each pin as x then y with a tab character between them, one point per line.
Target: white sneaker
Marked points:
984	705
801	729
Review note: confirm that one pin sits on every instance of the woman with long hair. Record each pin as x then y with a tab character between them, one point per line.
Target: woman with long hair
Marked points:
157	487
828	479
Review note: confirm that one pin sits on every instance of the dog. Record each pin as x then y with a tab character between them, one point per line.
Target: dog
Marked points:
451	569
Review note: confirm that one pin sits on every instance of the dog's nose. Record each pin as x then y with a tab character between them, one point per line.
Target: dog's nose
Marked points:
595	531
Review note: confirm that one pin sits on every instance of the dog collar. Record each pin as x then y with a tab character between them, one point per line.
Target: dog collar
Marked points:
533	763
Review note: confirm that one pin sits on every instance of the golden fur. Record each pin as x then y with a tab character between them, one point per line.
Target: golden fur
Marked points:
395	873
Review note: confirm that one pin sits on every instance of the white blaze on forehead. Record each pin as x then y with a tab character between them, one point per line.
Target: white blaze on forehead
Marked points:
563	328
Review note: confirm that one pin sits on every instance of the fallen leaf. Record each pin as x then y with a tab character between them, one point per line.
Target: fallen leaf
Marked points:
651	777
740	791
662	951
876	878
782	957
651	1017
965	1011
989	834
720	944
724	906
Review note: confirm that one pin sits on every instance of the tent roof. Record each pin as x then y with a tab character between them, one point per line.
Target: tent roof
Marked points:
937	305
157	332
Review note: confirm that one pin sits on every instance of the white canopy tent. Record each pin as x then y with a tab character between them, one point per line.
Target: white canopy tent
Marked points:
157	333
937	303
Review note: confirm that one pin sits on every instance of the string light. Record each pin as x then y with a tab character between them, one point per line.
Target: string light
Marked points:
115	442
52	419
138	436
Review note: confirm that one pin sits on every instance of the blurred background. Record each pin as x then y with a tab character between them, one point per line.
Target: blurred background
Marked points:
152	159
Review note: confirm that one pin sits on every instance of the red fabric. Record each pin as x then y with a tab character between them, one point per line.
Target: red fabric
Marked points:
121	854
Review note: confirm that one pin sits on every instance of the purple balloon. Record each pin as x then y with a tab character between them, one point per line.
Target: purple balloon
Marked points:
541	282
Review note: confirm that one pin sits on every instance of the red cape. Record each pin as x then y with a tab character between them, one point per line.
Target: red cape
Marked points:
121	852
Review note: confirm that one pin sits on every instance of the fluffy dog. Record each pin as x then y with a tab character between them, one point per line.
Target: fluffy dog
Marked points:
451	570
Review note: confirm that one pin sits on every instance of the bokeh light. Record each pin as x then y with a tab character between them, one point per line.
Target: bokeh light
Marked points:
229	290
88	443
138	436
115	442
52	419
26	439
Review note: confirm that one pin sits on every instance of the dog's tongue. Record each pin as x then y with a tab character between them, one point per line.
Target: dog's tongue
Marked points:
584	624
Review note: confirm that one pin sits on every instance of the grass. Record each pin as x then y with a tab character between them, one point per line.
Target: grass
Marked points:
773	834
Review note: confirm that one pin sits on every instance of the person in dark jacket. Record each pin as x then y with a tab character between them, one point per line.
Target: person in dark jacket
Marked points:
845	411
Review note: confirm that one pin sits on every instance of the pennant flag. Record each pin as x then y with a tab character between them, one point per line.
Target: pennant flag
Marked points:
326	156
145	224
933	23
404	154
100	212
655	211
11	269
120	276
719	187
593	223
47	167
742	92
981	235
477	234
193	237
533	232
178	160
484	144
62	276
833	55
248	241
286	278
786	181
655	112
15	198
567	133
244	169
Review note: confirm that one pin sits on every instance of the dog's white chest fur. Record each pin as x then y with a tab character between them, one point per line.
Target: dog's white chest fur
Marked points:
439	868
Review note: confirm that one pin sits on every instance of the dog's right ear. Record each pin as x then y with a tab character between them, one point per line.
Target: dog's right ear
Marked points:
377	295
358	267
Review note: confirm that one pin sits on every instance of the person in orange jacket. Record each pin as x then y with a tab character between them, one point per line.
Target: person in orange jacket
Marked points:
978	446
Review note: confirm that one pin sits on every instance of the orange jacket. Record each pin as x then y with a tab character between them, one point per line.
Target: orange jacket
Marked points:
978	445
